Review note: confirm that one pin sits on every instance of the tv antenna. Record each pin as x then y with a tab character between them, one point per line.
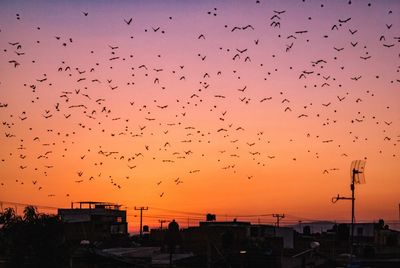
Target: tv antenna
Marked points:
357	177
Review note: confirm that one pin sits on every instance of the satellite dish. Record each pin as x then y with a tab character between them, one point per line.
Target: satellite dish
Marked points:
357	170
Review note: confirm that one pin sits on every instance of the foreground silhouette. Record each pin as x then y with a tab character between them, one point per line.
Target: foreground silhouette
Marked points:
33	240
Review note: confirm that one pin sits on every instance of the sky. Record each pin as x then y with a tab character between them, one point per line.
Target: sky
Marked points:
238	108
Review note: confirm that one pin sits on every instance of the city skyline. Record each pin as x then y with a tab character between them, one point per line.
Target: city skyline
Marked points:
227	107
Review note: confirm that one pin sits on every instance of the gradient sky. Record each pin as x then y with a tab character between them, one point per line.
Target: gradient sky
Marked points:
228	107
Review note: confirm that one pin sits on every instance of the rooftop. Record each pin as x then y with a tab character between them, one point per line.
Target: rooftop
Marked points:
95	204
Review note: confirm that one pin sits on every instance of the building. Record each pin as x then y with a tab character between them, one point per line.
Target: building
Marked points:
364	229
94	221
270	231
224	243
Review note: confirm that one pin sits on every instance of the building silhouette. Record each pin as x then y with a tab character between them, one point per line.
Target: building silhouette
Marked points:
94	221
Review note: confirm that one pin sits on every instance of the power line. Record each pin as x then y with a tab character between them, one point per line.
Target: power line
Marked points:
179	212
25	205
289	218
204	213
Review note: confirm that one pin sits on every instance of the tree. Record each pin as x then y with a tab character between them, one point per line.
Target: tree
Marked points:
8	217
35	240
30	214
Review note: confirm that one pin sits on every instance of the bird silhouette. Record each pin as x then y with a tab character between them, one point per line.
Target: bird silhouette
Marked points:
128	22
200	91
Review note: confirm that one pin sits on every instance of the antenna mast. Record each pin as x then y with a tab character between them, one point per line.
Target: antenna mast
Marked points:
357	177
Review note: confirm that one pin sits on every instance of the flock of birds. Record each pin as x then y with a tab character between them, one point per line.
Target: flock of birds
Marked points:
234	96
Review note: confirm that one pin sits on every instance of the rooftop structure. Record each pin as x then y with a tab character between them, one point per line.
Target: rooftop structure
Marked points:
94	221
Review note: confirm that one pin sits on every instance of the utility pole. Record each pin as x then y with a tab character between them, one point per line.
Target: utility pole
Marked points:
161	223
278	218
141	219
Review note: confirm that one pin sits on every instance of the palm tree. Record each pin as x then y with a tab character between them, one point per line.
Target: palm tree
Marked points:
34	240
30	214
8	217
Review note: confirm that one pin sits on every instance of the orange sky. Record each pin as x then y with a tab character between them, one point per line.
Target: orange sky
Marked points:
181	110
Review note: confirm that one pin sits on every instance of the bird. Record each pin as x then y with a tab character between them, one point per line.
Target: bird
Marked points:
353	32
128	21
344	20
236	28
275	17
388	45
275	24
242	89
196	98
16	64
248	26
356	78
265	99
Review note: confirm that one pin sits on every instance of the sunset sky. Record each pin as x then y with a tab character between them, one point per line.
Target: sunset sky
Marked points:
229	107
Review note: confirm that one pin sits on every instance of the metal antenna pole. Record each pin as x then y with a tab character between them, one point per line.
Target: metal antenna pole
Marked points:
352	187
357	176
